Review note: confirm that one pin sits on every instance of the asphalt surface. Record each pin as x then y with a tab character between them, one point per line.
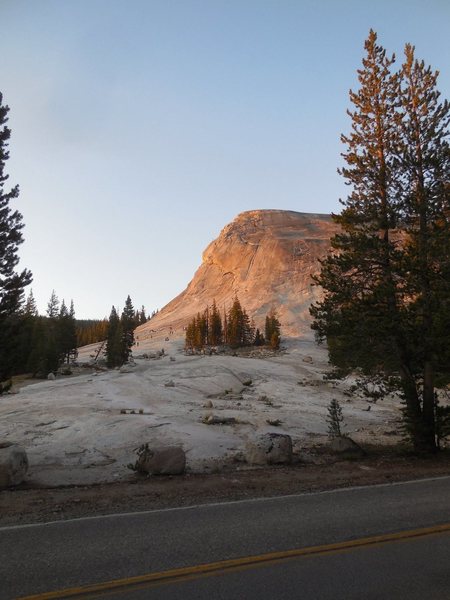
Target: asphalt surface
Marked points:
68	554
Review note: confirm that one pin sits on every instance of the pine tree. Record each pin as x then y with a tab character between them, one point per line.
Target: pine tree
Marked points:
66	333
12	283
425	166
248	330
53	306
334	419
189	343
215	326
235	324
128	327
30	307
259	338
239	332
142	318
114	341
273	329
38	364
52	349
384	282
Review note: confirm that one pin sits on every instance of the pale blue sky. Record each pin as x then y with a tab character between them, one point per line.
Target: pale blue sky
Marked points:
141	128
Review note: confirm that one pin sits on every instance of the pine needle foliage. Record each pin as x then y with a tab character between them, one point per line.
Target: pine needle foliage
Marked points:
334	419
12	283
236	329
386	281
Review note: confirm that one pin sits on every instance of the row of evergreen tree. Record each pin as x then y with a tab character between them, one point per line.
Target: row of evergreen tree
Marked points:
120	334
41	343
236	329
44	343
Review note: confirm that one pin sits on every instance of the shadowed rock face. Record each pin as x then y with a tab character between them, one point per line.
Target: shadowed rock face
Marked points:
267	258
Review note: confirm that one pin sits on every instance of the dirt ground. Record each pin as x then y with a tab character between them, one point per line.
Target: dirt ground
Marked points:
28	503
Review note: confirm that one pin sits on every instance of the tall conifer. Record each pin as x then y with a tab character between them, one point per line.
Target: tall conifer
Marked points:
380	301
128	322
12	283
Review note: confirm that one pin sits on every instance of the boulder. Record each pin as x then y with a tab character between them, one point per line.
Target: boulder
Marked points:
270	448
162	460
13	464
51	377
345	445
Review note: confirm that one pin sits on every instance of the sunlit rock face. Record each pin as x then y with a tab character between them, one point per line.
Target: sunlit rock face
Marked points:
267	258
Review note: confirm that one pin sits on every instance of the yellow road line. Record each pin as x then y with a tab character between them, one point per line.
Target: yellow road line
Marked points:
235	563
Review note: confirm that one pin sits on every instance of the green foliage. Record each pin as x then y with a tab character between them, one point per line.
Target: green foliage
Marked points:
30	307
239	332
272	329
140	317
259	338
51	340
67	334
120	335
386	307
442	423
215	326
334	418
129	324
12	283
115	354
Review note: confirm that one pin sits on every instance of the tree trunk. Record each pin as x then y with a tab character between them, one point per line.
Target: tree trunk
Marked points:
428	409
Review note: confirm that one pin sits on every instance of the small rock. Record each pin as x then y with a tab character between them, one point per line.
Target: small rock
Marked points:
208	404
170	383
308	359
172	359
127	368
51	377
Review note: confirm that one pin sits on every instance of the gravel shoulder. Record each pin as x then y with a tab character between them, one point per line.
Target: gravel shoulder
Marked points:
29	504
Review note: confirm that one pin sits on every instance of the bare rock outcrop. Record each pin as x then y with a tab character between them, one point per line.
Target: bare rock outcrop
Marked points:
267	258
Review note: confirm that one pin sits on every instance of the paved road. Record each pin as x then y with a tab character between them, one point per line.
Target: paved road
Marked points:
56	556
